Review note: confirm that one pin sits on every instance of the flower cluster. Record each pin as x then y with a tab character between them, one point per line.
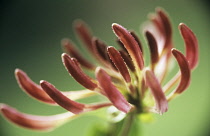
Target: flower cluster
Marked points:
121	75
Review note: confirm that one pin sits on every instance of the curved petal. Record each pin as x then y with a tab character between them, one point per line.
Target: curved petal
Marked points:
155	87
34	122
185	75
191	45
185	71
111	91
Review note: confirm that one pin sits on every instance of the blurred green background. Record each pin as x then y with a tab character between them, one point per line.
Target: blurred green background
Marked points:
30	35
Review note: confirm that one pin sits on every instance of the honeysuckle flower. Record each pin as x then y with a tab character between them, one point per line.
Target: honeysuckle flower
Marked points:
121	75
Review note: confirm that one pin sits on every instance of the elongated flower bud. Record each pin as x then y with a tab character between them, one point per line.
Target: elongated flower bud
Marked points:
185	71
60	99
32	88
67	103
191	45
130	44
155	87
73	68
111	91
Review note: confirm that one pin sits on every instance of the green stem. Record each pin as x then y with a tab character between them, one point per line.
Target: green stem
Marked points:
127	125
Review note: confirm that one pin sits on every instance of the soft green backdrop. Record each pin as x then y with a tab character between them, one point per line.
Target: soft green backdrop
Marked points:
30	34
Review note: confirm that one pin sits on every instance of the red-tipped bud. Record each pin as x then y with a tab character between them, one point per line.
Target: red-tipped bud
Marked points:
191	45
67	103
32	88
185	71
130	44
61	99
76	72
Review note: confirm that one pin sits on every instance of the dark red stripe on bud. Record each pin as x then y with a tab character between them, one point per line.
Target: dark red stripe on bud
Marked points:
127	60
121	45
153	49
100	49
119	63
137	40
